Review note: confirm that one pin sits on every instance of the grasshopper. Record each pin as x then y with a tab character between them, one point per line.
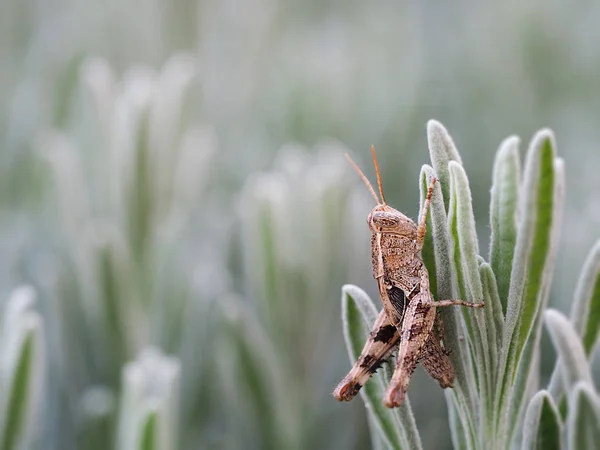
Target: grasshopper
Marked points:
408	320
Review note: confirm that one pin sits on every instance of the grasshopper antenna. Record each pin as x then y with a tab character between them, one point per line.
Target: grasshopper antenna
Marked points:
378	174
364	178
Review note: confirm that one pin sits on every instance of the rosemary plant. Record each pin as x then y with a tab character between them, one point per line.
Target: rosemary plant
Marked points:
497	401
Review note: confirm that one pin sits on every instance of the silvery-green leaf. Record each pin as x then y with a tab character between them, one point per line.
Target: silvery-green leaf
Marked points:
190	175
437	258
494	318
503	213
462	425
457	431
585	313
583	421
68	176
539	213
363	302
149	434
169	97
441	150
527	377
150	386
22	369
14	426
377	440
465	252
116	291
97	406
396	426
140	205
526	380
542	427
575	366
258	379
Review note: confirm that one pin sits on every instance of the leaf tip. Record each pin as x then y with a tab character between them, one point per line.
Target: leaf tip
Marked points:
509	146
440	142
456	169
554	317
427	173
544	139
433	126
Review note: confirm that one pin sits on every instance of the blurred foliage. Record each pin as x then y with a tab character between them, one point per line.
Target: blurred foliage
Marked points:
152	199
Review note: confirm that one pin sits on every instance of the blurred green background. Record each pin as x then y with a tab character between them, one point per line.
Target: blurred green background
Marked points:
172	182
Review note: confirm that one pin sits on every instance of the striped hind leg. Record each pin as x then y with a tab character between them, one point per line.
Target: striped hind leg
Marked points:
382	341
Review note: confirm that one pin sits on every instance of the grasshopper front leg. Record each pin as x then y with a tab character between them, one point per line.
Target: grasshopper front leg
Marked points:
455	303
382	341
422	225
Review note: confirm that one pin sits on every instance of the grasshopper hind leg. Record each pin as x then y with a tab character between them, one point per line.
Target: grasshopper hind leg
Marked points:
435	361
382	341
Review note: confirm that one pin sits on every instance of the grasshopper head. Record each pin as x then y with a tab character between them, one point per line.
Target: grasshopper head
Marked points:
384	218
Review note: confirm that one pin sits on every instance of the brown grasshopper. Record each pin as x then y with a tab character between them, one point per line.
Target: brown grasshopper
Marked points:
408	318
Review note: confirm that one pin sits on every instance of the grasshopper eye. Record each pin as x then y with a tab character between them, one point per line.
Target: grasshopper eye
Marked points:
385	219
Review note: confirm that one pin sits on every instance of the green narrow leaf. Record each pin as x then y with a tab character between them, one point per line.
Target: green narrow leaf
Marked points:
113	304
493	298
493	315
585	313
503	214
264	381
466	252
539	213
22	348
542	244
19	392
140	196
542	427
555	385
457	431
365	305
268	246
98	408
149	435
462	424
441	151
377	440
575	366
527	373
65	89
526	382
67	173
583	421
397	427
150	383
437	258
